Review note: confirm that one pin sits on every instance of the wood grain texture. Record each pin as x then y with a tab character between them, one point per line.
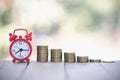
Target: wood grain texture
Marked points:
59	71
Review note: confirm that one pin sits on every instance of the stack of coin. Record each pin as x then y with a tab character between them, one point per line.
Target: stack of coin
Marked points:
82	59
56	55
42	53
69	57
95	60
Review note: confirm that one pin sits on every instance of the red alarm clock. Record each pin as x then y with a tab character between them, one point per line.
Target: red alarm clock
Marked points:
20	48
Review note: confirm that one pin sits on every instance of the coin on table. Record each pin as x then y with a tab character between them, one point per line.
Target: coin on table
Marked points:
82	59
69	57
42	53
95	60
56	55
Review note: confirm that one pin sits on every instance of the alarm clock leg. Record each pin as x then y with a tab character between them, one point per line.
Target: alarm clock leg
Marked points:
28	60
13	60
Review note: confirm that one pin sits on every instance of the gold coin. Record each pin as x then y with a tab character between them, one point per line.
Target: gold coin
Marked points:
42	53
95	60
56	55
82	59
56	60
108	61
69	57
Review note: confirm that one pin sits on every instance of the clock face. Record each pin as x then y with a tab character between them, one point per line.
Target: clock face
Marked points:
20	49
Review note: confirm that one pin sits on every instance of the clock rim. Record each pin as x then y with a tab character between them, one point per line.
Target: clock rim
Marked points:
10	49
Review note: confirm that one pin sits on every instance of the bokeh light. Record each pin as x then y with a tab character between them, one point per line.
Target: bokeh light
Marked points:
86	27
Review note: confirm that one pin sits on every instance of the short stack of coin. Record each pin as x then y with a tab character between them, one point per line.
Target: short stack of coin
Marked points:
108	61
56	55
42	53
69	57
82	59
95	60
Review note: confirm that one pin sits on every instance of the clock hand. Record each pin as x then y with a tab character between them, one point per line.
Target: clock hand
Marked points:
25	49
17	51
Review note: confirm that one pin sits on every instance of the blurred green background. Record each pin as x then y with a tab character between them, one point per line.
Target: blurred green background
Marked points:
87	27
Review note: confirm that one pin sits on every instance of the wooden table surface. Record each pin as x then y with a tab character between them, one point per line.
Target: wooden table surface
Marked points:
59	71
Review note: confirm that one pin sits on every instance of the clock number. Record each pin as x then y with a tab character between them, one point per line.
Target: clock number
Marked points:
20	42
21	56
13	50
27	47
16	47
24	54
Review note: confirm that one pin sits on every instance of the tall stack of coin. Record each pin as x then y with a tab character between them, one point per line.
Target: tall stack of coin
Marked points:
82	59
69	57
95	60
56	55
42	53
